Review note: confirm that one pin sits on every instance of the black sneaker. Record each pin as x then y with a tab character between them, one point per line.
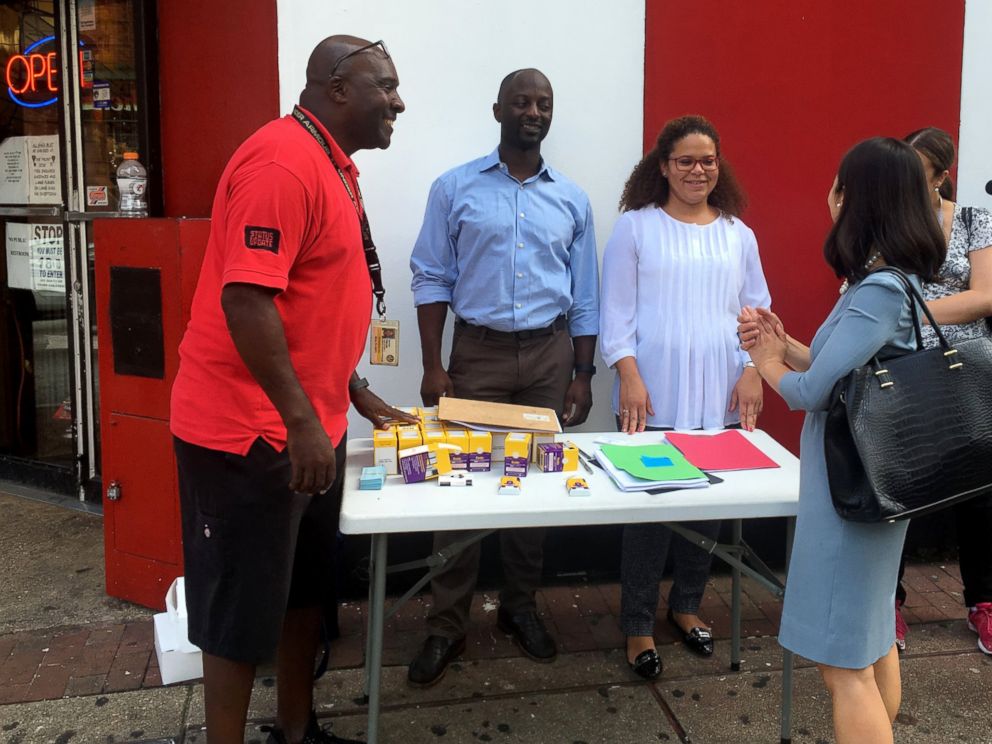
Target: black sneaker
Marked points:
314	735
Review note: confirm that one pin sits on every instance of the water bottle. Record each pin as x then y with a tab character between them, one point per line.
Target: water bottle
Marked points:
131	181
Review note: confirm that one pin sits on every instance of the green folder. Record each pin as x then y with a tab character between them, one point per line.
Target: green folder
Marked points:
636	460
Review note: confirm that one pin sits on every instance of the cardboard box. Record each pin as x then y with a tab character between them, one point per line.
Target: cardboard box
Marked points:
425	462
549	457
516	457
539	438
178	659
409	437
480	451
384	450
484	415
458	438
569	457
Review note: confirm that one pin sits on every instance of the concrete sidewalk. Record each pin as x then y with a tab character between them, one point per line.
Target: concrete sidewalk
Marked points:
77	666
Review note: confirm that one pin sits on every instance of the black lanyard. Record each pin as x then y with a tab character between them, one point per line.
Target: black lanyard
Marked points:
371	257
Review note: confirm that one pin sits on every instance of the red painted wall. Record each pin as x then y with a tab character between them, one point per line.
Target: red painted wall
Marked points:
219	78
790	86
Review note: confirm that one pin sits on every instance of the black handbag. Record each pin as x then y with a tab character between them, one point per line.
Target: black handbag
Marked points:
911	434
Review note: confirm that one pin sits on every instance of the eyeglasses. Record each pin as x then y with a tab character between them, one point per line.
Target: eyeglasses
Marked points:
686	164
381	44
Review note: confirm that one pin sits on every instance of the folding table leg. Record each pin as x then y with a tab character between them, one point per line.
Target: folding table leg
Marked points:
368	635
377	610
786	710
735	604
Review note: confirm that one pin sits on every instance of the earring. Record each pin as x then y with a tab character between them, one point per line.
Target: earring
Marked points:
838	204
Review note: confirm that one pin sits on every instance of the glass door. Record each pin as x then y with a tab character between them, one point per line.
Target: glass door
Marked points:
78	76
37	432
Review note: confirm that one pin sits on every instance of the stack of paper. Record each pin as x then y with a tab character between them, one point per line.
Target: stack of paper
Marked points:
649	466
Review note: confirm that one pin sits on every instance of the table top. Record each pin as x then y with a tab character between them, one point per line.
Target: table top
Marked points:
544	502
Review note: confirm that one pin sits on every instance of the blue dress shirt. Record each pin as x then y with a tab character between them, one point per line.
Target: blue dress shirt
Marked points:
505	254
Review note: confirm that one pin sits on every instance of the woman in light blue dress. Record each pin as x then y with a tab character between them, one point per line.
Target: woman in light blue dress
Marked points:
841	583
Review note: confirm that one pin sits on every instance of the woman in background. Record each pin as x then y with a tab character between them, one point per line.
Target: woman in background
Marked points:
960	300
677	269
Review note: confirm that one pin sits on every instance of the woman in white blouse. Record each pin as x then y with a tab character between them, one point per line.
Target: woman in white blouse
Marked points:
677	270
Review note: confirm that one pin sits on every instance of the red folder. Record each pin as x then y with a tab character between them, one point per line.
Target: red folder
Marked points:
728	450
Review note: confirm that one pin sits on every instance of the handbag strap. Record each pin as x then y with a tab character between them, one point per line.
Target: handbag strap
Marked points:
916	303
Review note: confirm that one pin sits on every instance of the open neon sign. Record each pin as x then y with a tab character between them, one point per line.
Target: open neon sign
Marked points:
31	77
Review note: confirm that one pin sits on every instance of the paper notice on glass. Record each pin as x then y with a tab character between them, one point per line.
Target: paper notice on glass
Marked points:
86	12
35	257
18	255
13	171
44	179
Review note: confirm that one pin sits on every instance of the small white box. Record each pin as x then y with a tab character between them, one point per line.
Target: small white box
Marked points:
178	659
174	665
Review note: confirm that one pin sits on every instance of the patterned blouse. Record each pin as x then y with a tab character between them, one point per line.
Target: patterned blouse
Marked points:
956	272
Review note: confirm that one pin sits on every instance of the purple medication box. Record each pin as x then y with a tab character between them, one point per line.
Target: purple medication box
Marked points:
515	466
550	457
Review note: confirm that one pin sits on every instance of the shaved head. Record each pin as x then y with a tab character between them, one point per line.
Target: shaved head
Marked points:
503	86
329	51
351	90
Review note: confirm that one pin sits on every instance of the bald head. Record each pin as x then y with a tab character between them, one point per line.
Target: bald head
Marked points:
327	53
528	72
352	90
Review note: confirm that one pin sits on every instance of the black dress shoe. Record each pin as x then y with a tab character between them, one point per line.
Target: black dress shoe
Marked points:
529	633
647	664
698	640
433	659
314	735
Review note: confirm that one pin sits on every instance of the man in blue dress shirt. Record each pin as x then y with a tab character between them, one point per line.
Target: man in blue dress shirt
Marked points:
508	243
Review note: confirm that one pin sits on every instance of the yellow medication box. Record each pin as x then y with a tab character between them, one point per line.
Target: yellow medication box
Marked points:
480	451
409	436
516	453
384	450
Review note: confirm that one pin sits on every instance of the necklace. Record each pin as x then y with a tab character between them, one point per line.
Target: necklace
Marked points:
845	285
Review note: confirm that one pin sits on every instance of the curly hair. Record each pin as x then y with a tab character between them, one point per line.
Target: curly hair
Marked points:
938	147
647	186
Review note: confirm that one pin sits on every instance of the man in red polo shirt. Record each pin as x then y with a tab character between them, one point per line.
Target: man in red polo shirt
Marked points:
266	375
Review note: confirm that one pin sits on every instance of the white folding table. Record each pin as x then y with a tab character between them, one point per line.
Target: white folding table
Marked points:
544	502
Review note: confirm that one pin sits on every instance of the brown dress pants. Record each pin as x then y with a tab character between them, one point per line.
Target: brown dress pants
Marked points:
536	372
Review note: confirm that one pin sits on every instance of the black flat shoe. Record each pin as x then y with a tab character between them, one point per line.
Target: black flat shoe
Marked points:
529	633
698	640
432	661
647	664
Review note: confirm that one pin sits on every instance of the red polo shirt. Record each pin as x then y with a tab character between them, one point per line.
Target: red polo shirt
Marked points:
282	219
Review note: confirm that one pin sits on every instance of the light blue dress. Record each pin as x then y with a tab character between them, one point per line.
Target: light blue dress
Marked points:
840	593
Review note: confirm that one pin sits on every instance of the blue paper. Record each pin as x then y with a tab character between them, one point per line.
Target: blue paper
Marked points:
656	462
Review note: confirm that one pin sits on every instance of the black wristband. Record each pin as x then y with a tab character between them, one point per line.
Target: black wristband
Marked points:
589	369
358	384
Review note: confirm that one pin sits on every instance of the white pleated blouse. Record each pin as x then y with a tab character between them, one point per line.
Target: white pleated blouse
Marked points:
671	293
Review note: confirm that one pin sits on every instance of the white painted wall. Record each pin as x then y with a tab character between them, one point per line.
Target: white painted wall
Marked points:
975	140
451	56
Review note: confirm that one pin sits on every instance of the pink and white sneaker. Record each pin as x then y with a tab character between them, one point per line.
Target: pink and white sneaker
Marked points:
980	621
901	628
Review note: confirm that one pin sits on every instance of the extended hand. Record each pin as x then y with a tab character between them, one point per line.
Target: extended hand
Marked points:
380	413
748	328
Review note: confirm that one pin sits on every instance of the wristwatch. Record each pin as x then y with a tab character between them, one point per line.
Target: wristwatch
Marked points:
749	363
589	369
358	384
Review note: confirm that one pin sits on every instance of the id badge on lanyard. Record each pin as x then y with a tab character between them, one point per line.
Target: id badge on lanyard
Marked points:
384	342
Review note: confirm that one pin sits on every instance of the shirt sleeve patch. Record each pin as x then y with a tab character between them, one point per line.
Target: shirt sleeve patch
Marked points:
262	238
